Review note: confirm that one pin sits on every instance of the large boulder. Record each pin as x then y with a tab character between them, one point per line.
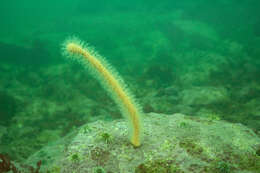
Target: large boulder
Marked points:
171	143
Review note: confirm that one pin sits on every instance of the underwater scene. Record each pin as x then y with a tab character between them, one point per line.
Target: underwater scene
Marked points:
120	86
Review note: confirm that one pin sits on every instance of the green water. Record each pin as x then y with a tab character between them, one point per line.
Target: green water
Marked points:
200	58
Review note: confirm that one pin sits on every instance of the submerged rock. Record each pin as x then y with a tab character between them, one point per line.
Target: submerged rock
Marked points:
171	143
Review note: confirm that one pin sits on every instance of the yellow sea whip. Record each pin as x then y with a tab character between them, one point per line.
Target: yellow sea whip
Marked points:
110	80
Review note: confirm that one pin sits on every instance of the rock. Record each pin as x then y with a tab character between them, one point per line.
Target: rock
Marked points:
203	95
170	143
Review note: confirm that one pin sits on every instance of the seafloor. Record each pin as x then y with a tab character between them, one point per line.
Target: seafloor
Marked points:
172	62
